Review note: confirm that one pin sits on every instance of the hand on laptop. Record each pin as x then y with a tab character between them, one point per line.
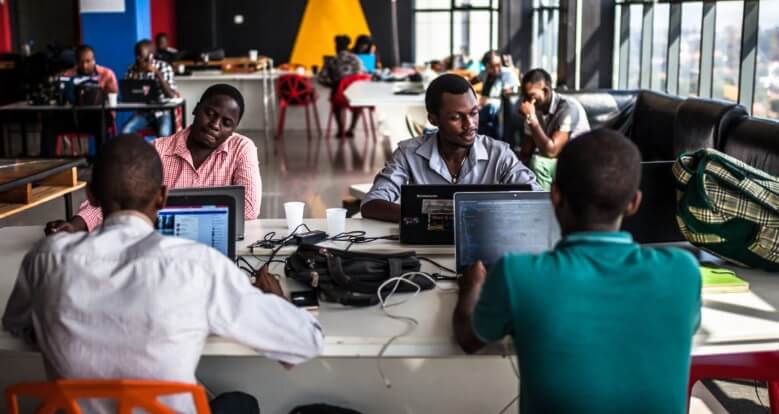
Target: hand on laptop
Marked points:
268	283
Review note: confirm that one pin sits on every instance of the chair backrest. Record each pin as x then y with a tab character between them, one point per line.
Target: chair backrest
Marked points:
295	89
61	395
338	98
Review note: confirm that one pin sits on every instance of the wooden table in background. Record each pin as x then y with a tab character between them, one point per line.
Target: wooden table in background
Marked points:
27	183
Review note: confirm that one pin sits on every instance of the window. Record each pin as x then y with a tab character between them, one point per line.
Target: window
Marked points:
546	30
690	49
454	27
634	65
727	50
767	74
660	47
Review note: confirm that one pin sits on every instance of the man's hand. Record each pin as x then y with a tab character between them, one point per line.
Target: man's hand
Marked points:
528	108
76	224
470	283
268	283
472	280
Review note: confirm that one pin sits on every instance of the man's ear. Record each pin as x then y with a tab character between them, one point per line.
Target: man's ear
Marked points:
161	198
633	204
93	201
555	195
433	118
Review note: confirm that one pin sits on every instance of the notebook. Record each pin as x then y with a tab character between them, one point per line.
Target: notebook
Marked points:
718	280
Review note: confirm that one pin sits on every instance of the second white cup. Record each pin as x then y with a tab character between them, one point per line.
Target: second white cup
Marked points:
112	99
336	221
293	210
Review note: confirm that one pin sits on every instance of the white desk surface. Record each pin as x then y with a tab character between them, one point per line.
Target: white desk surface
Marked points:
370	93
359	191
733	322
257	229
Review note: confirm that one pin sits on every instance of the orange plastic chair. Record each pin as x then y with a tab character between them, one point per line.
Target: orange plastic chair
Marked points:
61	395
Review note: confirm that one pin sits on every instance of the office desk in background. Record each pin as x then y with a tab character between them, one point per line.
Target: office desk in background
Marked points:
392	108
27	183
428	371
20	112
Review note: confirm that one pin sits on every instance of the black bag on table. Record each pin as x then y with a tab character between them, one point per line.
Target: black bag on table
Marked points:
352	278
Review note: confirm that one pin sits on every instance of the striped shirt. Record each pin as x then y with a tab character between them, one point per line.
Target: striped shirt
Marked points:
232	163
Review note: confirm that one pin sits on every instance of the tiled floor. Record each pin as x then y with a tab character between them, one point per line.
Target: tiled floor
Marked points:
319	172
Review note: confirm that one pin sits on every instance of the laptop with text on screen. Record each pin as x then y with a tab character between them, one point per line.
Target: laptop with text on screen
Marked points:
489	225
235	191
206	219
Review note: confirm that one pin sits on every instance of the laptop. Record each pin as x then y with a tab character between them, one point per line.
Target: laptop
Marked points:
237	192
207	219
427	213
368	61
140	90
490	225
655	220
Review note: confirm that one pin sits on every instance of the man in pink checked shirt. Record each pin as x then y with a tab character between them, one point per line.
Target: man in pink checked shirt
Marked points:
207	154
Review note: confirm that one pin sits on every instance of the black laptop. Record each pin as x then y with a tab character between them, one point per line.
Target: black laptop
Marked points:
427	211
140	90
655	221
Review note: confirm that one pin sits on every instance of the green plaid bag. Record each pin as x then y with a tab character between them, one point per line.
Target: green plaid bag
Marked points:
728	208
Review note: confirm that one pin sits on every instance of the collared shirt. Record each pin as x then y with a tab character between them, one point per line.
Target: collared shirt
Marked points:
418	161
105	78
134	72
232	163
127	302
566	114
619	315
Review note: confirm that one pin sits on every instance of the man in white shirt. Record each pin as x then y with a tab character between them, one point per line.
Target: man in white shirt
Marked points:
127	302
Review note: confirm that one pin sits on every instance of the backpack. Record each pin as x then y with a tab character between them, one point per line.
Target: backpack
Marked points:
728	208
352	278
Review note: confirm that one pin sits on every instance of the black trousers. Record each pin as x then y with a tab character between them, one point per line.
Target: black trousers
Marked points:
235	402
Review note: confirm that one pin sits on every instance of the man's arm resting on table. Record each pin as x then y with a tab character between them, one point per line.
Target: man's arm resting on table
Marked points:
381	210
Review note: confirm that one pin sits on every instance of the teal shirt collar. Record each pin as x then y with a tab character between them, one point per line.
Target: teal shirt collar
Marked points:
613	237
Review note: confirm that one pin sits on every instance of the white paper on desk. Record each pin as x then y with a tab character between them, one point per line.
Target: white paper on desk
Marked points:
101	6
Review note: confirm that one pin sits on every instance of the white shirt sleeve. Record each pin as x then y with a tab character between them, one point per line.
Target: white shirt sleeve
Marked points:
267	323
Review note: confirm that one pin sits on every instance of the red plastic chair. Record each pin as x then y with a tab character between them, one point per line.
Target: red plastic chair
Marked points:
296	90
339	100
756	366
61	395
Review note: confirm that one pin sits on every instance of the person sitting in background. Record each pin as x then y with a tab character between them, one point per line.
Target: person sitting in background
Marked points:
551	120
496	80
163	51
364	46
86	66
128	302
148	68
619	315
454	154
207	154
344	64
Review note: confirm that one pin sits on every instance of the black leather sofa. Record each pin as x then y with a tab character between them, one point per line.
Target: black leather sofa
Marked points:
664	126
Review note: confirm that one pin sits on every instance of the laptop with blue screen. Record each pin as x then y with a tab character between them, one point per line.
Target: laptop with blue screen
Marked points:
206	219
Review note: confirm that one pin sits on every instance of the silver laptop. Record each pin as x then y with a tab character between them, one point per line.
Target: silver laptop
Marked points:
489	225
237	192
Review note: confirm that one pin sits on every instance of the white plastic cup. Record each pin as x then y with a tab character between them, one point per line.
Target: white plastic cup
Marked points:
253	55
336	221
112	99
293	210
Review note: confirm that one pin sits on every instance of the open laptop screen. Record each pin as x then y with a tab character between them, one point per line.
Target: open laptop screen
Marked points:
204	224
490	225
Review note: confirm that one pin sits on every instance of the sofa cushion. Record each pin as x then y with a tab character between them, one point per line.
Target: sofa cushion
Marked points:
652	128
606	108
703	123
756	142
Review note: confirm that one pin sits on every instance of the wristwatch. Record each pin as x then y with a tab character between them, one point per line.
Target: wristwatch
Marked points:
531	119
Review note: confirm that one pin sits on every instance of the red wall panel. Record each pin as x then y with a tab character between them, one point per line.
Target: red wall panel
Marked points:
5	28
163	19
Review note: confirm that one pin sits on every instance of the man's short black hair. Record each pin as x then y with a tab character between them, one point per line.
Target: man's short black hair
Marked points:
537	75
227	90
83	48
342	42
160	35
127	174
450	83
141	43
598	173
491	54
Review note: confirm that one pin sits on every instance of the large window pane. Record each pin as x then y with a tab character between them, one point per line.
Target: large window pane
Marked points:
472	3
547	23
660	47
472	32
432	36
690	49
767	77
727	49
615	56
432	4
634	67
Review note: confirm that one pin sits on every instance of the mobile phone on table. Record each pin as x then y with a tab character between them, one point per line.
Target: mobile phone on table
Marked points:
306	299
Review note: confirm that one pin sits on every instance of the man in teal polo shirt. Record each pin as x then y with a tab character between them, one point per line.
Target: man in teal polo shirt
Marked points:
599	324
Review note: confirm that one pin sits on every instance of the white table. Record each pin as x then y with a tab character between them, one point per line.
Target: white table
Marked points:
392	109
421	365
359	191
